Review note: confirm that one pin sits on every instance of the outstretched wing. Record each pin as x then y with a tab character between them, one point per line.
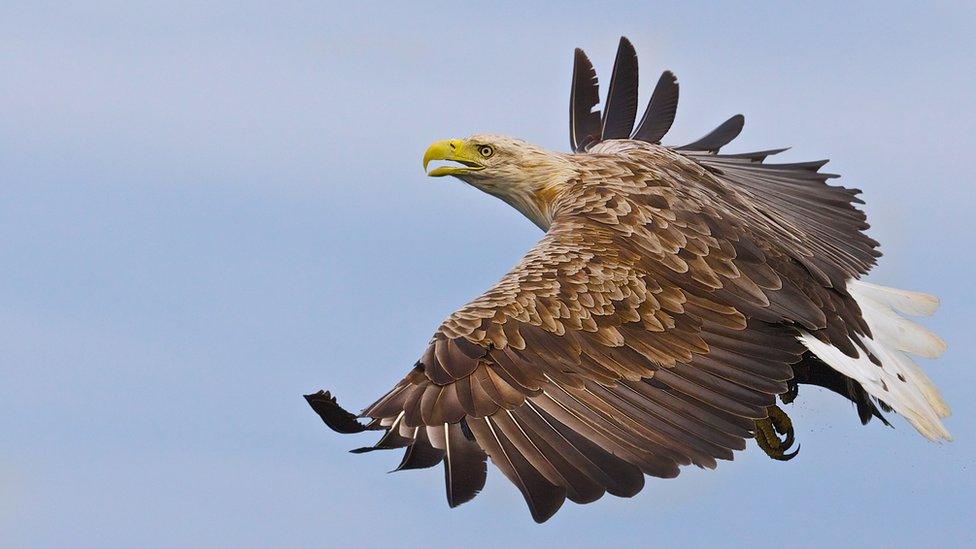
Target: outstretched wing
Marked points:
796	192
625	343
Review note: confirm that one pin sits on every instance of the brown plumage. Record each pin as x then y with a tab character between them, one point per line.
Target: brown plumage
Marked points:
651	326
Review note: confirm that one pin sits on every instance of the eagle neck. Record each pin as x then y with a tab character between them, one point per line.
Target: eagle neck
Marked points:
541	203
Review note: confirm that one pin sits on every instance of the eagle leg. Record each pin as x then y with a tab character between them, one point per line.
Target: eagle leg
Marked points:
770	429
793	389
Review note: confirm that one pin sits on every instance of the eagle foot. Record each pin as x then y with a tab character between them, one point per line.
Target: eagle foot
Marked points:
770	429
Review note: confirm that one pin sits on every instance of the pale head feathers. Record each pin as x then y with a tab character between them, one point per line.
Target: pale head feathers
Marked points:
527	177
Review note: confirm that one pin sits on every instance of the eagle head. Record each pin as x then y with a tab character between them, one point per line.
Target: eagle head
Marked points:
527	177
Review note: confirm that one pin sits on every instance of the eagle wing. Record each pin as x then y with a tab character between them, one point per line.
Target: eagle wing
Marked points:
794	196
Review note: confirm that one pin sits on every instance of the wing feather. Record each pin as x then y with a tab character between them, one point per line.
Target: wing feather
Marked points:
543	498
661	110
620	109
421	454
465	466
719	137
584	123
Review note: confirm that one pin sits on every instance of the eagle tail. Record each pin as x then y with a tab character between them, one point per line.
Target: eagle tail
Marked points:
886	371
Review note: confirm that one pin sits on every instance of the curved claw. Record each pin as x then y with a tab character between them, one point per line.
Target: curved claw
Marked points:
789	456
769	430
783	425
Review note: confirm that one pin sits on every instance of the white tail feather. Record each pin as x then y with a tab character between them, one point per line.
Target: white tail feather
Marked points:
899	382
905	302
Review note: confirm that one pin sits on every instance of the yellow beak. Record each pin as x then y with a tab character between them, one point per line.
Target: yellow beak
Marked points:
453	150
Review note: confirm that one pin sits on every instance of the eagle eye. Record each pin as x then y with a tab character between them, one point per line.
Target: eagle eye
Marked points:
486	151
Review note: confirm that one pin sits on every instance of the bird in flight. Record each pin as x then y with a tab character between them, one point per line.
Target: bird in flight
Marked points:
676	292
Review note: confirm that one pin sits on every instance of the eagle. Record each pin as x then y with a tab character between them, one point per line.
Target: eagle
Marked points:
676	293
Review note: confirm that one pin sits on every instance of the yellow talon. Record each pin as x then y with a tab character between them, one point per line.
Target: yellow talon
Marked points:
769	430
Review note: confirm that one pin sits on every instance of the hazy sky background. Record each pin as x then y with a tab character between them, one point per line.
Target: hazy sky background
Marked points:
207	212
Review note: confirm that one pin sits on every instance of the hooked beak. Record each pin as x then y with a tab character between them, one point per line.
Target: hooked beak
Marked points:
453	150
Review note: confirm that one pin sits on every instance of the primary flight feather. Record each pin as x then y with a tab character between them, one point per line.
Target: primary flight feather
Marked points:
675	294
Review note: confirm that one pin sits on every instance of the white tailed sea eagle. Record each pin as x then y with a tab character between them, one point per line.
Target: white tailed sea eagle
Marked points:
676	292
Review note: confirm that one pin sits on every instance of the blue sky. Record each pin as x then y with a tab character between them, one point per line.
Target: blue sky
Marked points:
207	212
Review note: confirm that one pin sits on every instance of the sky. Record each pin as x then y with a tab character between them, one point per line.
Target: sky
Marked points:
207	212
